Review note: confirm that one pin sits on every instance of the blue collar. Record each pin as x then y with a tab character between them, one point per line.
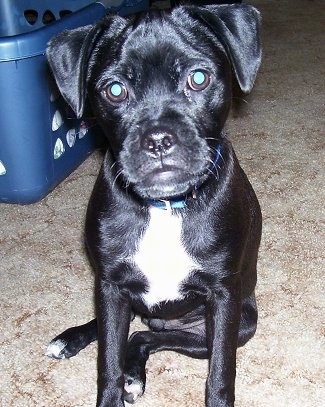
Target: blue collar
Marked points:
181	203
168	204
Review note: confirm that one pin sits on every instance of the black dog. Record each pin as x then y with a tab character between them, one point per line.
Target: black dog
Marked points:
173	226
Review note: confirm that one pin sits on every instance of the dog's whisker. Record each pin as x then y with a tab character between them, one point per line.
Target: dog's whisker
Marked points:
241	99
214	173
213	165
211	138
215	168
119	172
223	160
214	162
219	155
127	185
113	165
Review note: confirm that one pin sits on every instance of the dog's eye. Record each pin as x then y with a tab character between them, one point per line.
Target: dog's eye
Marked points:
116	92
198	80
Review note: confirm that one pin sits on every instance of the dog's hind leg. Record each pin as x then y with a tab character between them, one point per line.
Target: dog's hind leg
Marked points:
186	335
72	341
248	320
143	343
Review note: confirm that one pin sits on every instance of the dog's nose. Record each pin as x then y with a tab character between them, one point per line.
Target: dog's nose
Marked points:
158	142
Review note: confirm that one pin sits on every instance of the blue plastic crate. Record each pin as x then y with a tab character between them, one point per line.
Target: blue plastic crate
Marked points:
41	142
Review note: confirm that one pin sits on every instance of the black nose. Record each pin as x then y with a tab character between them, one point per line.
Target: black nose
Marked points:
158	142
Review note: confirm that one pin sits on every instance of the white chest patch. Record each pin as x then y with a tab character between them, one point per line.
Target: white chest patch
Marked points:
162	258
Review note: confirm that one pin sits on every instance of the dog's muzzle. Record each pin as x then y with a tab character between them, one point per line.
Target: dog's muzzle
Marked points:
166	165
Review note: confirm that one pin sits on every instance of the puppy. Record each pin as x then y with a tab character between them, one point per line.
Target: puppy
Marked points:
173	225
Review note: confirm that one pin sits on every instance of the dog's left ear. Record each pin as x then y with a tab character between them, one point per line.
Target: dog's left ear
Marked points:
237	27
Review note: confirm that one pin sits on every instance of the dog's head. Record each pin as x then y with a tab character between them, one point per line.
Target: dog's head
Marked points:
160	86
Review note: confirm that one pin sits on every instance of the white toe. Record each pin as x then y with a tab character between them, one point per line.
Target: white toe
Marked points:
55	348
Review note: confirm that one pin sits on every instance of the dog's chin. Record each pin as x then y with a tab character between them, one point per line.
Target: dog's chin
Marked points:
167	185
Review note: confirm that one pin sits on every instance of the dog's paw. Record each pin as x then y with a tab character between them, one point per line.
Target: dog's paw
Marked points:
133	389
72	341
64	347
57	349
60	349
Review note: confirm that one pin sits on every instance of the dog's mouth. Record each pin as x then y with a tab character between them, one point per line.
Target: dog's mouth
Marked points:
167	183
165	174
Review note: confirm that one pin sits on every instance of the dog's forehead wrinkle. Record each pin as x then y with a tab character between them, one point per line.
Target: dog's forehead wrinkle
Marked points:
145	37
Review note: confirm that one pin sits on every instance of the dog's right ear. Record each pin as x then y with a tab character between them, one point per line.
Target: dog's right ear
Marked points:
68	54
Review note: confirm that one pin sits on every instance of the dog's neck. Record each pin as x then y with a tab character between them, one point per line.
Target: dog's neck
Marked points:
180	203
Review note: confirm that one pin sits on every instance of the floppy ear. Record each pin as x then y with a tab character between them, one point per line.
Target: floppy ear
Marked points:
68	54
237	27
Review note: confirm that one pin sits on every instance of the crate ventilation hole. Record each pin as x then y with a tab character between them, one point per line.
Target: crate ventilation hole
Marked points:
58	149
48	17
3	170
71	135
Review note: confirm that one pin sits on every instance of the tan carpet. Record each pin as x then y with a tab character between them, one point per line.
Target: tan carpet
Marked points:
46	283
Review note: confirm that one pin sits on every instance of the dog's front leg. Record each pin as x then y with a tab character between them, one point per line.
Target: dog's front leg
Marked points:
113	319
223	317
